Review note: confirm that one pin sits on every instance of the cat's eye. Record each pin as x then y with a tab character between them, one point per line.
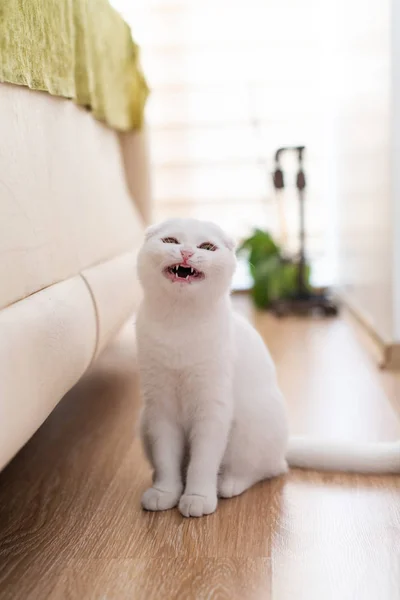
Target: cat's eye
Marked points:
170	240
208	246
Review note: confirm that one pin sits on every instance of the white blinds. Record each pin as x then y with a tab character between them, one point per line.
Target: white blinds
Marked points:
231	81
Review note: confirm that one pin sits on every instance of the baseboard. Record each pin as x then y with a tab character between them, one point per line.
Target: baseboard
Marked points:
391	359
387	354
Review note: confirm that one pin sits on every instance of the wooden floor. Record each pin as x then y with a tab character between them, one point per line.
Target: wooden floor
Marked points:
71	526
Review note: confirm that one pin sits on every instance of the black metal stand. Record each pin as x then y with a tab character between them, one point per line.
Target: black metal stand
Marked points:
303	301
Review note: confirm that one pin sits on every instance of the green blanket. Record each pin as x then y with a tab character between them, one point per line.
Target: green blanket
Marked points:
78	49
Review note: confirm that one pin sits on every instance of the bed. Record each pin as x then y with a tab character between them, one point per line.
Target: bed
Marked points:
74	201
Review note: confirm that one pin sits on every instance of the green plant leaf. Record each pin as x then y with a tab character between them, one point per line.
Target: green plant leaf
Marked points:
259	246
274	278
266	281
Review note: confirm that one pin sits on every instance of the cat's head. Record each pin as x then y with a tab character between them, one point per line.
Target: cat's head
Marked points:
186	258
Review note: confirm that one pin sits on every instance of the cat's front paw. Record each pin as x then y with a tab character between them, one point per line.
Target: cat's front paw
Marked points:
155	499
194	505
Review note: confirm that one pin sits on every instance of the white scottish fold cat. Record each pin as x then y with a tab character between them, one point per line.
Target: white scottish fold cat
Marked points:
214	420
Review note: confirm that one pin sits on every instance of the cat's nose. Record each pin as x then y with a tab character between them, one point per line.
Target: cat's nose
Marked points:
186	254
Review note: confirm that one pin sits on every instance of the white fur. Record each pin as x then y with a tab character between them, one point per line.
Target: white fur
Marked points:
214	420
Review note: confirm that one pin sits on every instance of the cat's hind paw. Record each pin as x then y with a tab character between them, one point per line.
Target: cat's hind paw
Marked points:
230	486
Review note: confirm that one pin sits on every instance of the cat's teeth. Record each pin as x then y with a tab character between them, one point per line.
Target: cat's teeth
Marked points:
187	276
176	274
191	271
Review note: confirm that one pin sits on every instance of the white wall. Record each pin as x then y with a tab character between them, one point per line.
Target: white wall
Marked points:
365	198
395	163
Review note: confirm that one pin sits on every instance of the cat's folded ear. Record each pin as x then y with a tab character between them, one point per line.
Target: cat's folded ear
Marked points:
156	228
228	242
226	239
151	231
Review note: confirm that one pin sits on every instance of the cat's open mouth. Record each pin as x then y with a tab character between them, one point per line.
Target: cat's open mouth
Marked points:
183	273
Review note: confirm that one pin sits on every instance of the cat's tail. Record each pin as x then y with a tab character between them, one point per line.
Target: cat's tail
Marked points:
379	458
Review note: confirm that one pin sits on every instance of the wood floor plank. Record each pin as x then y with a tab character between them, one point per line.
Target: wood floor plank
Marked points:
178	578
338	538
71	525
50	492
237	530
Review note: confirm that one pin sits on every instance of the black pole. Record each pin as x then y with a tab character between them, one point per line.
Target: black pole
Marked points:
304	301
301	184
